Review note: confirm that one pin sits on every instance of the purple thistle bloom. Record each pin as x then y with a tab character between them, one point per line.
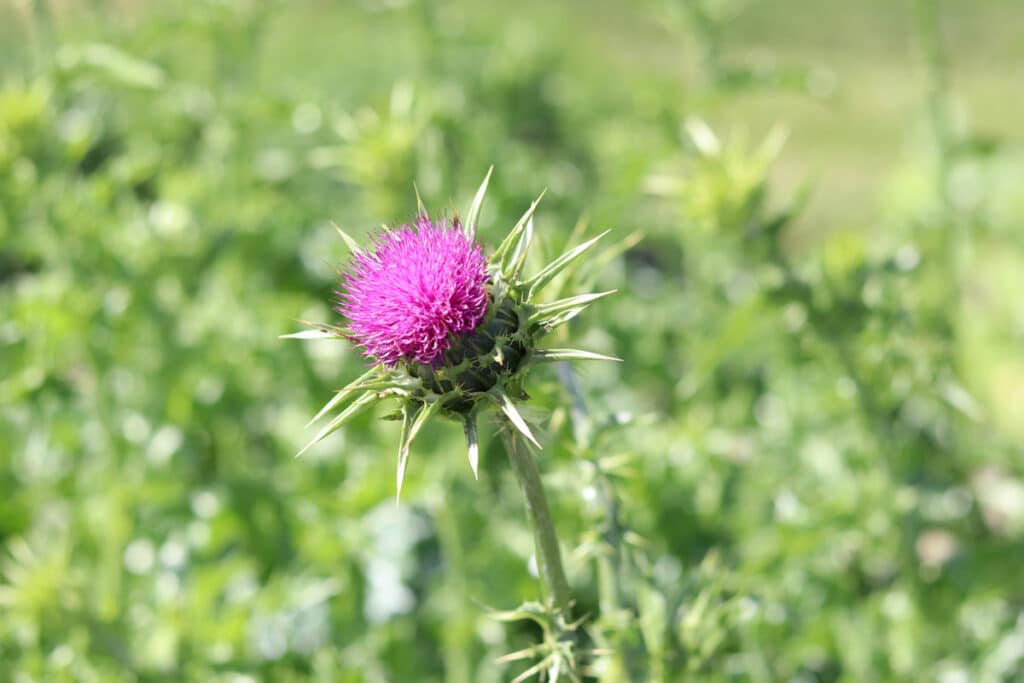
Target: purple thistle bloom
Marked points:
415	292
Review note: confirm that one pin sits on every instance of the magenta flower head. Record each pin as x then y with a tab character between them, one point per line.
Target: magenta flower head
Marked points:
415	293
451	332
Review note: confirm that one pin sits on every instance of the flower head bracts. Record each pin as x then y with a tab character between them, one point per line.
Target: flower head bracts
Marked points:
451	333
415	292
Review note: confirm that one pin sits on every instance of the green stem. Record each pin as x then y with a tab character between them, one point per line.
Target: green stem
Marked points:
956	236
706	33
458	634
937	68
549	555
629	662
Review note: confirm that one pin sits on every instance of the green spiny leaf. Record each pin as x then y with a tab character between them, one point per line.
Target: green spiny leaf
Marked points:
472	444
399	384
411	426
552	355
525	653
344	416
542	311
555	672
342	393
551	270
510	410
535	669
511	265
531	611
559	318
513	236
403	447
473	215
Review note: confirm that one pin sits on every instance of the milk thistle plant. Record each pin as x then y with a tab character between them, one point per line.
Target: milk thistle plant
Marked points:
451	333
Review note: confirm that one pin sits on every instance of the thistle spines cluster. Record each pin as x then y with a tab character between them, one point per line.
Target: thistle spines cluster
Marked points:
468	370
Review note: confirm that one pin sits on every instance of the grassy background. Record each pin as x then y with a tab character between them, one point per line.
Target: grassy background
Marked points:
808	467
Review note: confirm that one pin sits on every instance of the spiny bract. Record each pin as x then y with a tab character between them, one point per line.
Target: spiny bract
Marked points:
451	332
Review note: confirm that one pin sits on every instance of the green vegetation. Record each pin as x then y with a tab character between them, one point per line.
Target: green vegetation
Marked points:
807	468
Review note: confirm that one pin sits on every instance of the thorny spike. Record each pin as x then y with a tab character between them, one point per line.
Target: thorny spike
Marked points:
513	235
552	355
409	431
341	395
517	257
550	271
403	452
309	334
580	300
472	445
352	245
344	416
421	209
473	215
515	418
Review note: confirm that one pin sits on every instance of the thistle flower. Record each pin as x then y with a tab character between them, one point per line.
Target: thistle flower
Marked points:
416	293
450	331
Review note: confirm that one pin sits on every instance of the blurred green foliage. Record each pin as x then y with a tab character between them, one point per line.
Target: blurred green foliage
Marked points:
808	468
